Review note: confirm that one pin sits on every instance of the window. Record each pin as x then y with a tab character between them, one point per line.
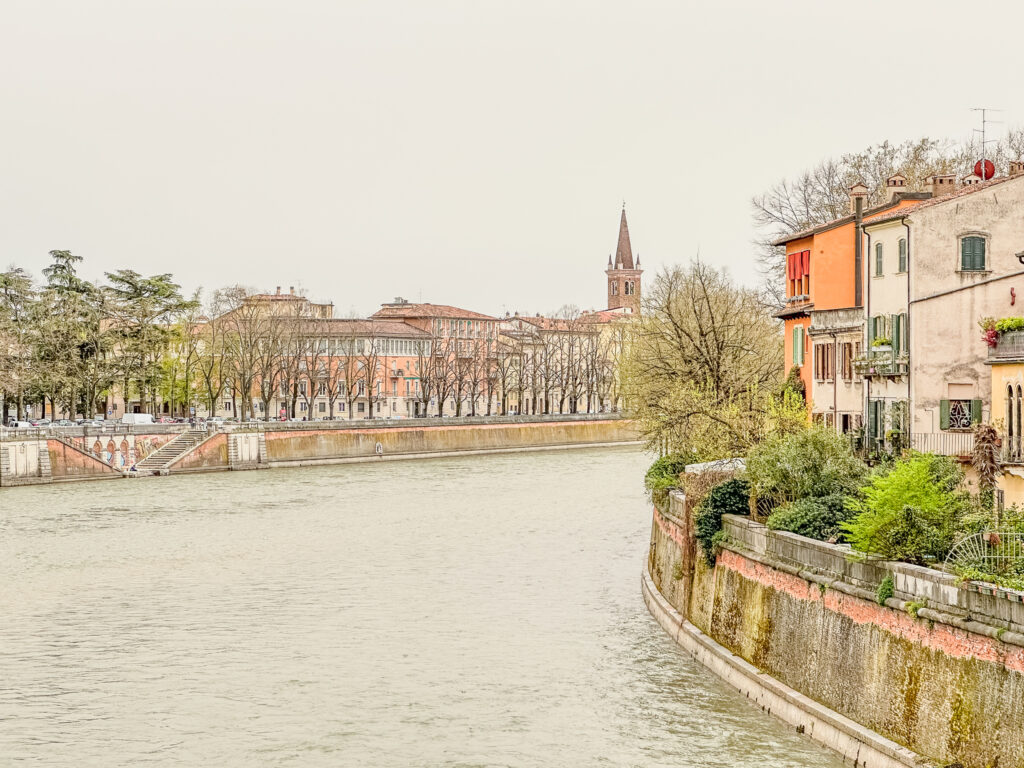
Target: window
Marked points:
322	407
323	388
798	345
878	260
898	323
615	289
972	253
361	407
903	254
824	362
227	403
846	360
959	414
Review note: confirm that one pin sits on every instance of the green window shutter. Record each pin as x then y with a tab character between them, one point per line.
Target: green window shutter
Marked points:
972	253
871	330
895	334
975	411
903	255
944	414
905	338
872	418
878	259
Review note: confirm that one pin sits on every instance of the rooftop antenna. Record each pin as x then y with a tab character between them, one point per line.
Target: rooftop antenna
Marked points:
985	121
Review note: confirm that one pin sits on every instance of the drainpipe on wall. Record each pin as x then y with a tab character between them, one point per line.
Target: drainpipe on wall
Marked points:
835	382
867	316
910	363
858	253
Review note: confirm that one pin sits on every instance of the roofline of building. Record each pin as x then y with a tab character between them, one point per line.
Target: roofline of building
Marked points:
900	197
787	312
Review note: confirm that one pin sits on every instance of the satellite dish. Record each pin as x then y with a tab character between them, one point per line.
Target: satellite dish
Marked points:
989	170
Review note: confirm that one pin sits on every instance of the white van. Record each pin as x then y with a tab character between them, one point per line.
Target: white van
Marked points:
137	418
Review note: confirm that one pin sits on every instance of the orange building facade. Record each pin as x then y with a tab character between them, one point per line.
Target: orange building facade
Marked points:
823	310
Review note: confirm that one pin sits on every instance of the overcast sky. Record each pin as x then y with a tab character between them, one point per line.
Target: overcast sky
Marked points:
470	153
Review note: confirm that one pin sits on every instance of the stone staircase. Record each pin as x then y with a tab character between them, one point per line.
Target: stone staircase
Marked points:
158	461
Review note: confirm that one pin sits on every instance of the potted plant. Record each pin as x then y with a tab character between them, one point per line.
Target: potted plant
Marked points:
882	344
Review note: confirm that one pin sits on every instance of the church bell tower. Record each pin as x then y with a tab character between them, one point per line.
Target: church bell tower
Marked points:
623	274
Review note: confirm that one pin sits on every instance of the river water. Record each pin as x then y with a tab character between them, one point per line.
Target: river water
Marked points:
479	611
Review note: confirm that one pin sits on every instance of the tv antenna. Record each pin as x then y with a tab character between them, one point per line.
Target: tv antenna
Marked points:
984	122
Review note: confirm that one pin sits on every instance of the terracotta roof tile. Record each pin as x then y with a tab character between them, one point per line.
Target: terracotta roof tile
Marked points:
428	310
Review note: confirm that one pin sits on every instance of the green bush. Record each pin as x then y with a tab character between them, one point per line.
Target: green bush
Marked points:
810	463
663	476
1007	324
729	498
885	590
910	512
1010	580
816	518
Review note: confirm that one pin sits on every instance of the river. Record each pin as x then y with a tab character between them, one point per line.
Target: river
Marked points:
478	611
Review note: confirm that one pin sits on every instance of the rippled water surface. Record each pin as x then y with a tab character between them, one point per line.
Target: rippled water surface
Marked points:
483	611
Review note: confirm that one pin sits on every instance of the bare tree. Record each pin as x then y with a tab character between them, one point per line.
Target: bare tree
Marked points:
821	193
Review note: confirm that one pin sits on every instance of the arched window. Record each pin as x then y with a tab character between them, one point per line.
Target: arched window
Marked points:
903	254
1017	441
1010	431
878	259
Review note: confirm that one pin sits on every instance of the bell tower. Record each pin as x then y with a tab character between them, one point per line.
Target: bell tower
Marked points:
623	274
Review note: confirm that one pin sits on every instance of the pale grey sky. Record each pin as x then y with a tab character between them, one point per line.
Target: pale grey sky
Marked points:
471	153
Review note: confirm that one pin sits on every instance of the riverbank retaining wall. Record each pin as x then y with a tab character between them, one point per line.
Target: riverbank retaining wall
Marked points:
934	676
93	453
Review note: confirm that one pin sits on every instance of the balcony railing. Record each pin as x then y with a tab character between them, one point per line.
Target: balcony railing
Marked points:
1010	346
943	443
881	362
1011	449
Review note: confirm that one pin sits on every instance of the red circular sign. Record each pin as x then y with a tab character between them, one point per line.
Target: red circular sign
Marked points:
990	170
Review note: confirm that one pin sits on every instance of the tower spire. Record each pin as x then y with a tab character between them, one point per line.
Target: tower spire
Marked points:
624	251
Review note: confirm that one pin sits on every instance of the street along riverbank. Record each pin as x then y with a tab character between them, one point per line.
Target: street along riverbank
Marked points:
120	451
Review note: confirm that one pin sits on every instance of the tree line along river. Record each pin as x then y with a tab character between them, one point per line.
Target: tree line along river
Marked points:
477	611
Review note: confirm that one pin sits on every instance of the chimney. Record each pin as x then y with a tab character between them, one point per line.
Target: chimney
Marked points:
279	290
1016	167
941	184
858	192
894	185
291	289
970	181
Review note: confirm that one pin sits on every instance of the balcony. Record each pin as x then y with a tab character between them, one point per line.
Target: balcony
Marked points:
1009	346
943	443
881	362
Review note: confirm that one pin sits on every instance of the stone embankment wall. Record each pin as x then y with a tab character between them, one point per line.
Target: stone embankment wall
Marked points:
110	452
406	440
935	676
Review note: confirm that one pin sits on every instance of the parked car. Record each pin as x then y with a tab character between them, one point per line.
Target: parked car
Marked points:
40	422
15	424
137	418
63	423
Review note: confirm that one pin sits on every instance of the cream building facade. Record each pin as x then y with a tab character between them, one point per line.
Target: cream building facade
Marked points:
934	271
